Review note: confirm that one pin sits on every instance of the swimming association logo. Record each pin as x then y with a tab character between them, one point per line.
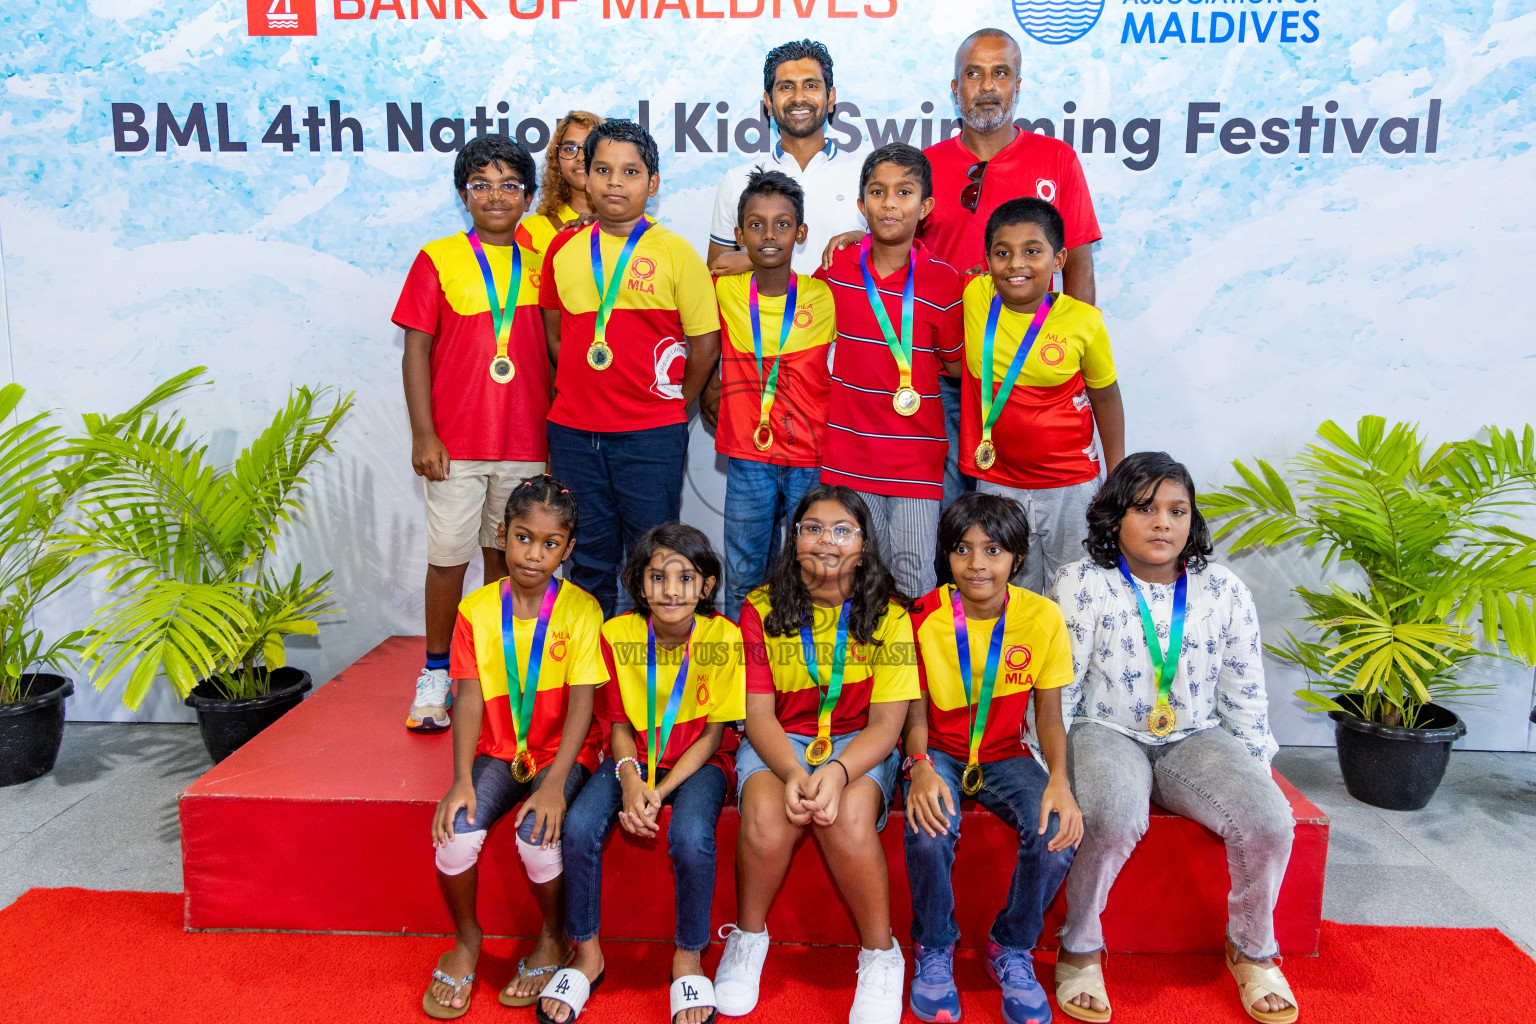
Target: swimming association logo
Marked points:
642	268
803	319
280	17
1057	21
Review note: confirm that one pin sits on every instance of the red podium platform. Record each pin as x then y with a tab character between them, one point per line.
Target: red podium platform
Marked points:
321	824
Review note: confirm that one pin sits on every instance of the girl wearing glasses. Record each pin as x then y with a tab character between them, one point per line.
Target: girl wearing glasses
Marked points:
563	192
831	667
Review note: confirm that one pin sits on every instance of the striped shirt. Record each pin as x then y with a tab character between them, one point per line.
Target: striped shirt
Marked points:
870	447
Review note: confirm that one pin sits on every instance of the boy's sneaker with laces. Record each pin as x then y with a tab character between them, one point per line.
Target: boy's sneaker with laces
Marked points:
877	997
934	996
1024	1001
434	695
740	971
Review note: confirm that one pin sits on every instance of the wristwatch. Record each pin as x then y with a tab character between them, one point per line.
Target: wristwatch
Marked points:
906	766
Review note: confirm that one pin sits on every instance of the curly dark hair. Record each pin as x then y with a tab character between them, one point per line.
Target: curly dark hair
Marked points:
480	152
555	191
689	542
874	588
543	492
621	129
800	49
1135	482
771	183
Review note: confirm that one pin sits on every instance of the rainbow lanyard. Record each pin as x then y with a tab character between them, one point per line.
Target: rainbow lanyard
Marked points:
982	702
900	347
1165	665
499	318
839	660
530	689
992	406
659	733
770	385
608	294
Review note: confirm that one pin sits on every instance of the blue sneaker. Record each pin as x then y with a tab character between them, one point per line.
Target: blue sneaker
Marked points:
1024	1001
934	996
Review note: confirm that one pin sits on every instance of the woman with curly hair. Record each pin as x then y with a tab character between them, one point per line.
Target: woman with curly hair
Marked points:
1167	705
563	189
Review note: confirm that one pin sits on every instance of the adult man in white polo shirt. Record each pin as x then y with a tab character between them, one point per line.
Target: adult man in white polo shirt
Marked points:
797	89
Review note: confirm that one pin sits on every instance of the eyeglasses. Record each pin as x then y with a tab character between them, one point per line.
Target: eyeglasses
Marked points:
568	150
970	196
841	534
485	188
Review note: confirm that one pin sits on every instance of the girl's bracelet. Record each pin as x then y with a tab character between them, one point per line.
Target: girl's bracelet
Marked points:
847	779
618	767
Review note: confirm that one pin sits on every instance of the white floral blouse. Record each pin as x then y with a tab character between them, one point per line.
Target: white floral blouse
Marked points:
1220	680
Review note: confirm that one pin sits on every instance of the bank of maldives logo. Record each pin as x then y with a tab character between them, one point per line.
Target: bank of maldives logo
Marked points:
1057	21
280	17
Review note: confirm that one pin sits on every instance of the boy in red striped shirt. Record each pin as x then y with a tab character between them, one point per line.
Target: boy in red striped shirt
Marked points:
899	325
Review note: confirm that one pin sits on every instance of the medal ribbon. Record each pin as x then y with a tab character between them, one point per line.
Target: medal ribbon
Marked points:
839	660
992	406
658	733
981	701
770	385
1164	665
901	347
608	294
499	318
530	689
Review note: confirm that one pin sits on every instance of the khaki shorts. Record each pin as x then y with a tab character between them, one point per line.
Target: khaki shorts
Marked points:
464	510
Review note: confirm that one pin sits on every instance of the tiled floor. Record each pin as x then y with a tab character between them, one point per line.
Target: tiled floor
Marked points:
106	819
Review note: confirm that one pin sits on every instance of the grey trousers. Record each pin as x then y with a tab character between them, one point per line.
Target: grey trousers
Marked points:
1208	777
908	529
1058	522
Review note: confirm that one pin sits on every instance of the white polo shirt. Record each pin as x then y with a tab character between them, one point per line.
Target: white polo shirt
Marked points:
831	183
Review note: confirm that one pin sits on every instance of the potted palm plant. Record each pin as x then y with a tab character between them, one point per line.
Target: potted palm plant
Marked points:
1432	533
188	545
36	485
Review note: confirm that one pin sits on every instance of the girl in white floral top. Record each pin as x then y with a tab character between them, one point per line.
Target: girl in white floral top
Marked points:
1189	730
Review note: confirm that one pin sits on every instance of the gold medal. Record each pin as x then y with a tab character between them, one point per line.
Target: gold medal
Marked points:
970	779
502	370
819	752
524	766
599	356
906	401
762	438
986	454
1160	720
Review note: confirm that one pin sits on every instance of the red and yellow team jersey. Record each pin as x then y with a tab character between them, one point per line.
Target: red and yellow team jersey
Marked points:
715	690
1036	656
444	296
542	230
1044	436
799	414
665	296
571	658
871	675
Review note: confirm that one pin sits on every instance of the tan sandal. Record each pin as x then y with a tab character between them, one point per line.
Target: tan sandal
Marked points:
1072	982
1255	982
441	1011
524	971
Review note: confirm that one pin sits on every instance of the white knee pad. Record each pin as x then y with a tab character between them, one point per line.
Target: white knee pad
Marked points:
542	865
461	852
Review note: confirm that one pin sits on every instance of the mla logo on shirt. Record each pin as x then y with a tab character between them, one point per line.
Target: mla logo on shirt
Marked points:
1052	354
1016	657
1057	21
703	691
1045	189
803	318
280	17
643	268
557	652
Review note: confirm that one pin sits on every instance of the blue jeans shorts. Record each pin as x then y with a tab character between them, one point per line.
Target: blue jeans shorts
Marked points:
884	773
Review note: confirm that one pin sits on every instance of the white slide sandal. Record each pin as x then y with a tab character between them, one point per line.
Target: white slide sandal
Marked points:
693	992
568	986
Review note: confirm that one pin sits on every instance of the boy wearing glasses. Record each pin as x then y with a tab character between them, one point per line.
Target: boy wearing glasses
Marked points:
476	388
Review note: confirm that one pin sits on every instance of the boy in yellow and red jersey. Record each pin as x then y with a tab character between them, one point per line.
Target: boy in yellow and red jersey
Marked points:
1028	419
476	386
983	648
630	316
771	394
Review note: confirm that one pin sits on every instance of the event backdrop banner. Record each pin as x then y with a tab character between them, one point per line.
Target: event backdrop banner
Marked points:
1311	209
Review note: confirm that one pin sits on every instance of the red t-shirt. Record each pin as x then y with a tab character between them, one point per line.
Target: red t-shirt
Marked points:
444	296
1030	165
871	447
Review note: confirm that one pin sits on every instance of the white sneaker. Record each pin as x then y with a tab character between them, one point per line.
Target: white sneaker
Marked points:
877	999
740	970
434	695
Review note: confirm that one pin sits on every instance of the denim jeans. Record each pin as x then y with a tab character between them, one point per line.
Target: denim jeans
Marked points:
1011	789
625	483
690	840
758	495
956	482
497	792
1208	777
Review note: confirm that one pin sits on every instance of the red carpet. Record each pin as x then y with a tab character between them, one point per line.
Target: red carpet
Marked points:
69	955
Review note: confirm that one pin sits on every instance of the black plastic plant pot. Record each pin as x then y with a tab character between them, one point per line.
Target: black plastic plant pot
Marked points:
1390	766
32	728
227	725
